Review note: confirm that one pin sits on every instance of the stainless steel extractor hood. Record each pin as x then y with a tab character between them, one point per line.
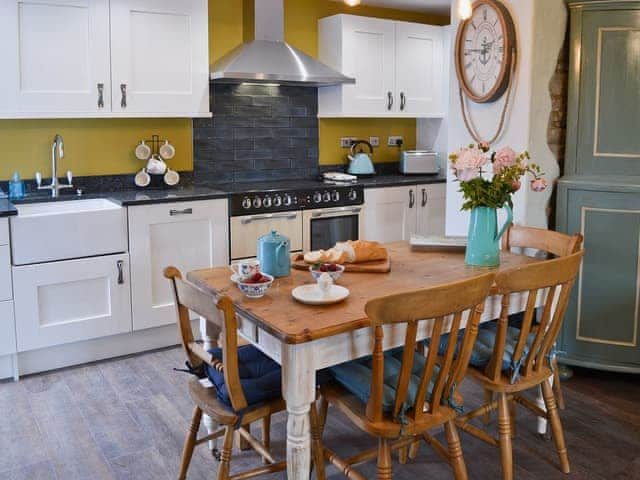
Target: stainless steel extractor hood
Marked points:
269	59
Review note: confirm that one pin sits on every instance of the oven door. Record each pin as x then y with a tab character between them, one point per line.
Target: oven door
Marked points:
246	230
324	227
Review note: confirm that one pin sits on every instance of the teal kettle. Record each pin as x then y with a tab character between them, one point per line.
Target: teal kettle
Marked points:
274	254
360	163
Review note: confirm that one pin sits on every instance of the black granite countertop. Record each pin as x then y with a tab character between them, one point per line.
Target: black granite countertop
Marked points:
133	197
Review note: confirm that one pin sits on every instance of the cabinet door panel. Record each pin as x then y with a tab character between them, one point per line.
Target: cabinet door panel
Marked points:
188	235
5	273
419	68
602	319
390	214
64	302
160	54
431	214
55	53
609	107
369	57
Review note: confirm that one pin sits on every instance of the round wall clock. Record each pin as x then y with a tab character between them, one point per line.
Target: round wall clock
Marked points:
486	51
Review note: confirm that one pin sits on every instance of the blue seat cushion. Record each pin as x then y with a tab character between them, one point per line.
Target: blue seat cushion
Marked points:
355	376
260	376
484	345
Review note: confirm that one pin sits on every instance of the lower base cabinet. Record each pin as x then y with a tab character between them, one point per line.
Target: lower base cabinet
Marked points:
395	213
601	327
187	235
7	329
70	301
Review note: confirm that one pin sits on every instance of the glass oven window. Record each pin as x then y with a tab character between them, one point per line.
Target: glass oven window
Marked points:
325	232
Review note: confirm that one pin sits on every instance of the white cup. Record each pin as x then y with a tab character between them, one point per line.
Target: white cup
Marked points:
245	269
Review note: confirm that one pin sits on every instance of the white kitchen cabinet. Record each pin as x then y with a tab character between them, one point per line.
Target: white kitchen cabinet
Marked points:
6	291
55	56
70	58
431	211
395	213
390	213
159	56
398	67
187	235
7	329
63	302
419	69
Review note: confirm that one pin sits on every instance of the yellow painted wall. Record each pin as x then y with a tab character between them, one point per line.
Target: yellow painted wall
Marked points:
105	146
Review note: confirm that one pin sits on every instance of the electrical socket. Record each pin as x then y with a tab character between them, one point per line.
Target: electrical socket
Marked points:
374	141
345	142
393	141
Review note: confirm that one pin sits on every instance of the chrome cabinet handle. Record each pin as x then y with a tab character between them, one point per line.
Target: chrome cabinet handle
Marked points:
286	216
403	100
389	100
120	265
331	212
123	90
186	211
101	95
412	199
425	197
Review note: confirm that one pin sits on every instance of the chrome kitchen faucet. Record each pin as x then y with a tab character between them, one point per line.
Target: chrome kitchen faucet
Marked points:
57	153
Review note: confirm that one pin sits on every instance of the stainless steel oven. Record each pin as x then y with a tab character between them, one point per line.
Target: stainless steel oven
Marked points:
324	227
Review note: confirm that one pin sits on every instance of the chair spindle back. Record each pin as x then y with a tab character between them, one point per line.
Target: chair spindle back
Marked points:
556	243
553	280
437	303
219	310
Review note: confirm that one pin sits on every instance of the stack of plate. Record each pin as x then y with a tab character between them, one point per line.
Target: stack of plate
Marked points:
339	178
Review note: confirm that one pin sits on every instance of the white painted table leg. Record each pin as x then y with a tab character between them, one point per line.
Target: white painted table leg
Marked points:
542	423
14	367
210	336
299	388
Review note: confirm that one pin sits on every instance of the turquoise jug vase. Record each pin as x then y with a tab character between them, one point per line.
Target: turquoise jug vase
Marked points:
274	254
483	244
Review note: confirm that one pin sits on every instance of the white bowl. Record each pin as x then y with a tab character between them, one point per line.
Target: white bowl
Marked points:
334	275
254	290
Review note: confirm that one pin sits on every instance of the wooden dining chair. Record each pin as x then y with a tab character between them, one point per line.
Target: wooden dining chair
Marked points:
400	395
519	358
554	244
246	384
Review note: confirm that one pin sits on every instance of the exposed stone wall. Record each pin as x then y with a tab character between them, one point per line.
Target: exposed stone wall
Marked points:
558	89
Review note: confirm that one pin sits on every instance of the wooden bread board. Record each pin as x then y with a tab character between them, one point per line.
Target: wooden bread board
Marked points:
378	266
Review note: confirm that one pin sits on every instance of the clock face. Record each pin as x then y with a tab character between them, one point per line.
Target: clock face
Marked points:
484	51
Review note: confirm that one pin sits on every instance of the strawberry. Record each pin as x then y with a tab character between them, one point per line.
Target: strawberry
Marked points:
323	268
333	267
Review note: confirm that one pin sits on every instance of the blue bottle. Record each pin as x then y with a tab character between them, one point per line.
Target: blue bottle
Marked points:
16	187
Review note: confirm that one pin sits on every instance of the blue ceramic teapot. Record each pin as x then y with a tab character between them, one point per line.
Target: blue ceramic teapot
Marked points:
274	254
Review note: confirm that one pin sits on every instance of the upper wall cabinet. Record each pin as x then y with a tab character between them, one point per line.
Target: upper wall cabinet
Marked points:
398	66
101	58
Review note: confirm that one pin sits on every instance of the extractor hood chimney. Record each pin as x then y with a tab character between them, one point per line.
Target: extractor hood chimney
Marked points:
269	59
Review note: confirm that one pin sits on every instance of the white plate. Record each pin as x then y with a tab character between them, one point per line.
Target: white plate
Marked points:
312	295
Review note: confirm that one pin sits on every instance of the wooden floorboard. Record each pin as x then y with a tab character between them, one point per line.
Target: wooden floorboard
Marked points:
127	418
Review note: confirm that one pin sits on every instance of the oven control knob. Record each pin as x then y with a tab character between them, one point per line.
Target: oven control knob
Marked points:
257	203
287	200
246	203
317	197
277	201
353	195
326	197
335	196
266	203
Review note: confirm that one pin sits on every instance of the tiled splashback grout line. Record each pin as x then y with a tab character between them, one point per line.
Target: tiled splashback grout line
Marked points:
257	133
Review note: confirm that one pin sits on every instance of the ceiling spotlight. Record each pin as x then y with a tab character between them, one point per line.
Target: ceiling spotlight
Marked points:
352	3
465	9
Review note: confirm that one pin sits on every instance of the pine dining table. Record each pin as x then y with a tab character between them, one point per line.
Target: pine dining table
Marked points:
305	339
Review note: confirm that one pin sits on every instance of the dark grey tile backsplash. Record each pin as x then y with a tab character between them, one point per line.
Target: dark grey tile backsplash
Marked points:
257	133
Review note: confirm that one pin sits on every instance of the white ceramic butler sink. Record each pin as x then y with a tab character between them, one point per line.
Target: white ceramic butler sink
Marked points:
49	231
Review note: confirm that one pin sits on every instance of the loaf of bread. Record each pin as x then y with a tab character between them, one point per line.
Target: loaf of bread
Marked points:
326	256
353	251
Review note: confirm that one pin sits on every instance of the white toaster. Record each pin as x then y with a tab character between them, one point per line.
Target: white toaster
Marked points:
419	162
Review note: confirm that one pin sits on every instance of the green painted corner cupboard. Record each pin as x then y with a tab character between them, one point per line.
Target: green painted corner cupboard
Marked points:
599	196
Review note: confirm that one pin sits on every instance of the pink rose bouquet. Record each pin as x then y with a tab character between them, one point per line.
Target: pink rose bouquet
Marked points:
508	168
